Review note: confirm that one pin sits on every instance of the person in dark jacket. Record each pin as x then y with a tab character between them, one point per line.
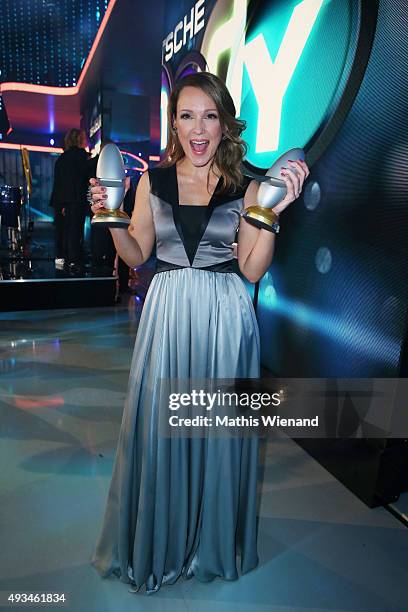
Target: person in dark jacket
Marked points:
69	199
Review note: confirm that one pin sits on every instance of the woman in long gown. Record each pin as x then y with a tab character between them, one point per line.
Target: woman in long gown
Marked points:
187	505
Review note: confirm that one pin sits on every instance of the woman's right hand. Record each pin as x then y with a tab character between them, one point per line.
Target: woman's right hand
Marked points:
98	195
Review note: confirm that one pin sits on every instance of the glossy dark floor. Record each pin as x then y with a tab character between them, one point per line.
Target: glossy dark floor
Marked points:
62	386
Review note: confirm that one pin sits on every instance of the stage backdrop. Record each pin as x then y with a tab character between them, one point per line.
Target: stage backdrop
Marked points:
330	76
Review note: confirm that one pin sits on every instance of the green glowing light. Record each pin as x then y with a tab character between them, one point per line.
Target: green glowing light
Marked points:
294	60
284	72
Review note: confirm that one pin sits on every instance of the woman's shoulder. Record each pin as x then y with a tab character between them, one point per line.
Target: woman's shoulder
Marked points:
160	172
160	178
246	181
238	193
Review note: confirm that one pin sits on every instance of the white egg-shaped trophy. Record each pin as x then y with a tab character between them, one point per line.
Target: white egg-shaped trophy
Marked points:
271	191
110	172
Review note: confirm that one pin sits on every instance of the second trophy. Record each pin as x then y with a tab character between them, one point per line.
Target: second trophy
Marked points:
271	191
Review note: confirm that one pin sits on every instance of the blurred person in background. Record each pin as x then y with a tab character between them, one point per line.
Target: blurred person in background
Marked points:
69	200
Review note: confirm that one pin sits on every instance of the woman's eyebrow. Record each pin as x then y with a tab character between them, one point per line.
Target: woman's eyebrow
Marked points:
207	110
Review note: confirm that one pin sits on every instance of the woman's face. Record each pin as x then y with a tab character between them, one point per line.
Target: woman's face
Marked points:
198	125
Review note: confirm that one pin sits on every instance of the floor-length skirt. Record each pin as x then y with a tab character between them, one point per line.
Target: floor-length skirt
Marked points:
183	505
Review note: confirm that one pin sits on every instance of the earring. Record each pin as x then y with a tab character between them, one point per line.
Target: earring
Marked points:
174	129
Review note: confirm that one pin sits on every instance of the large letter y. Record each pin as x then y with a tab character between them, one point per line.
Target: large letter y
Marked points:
269	79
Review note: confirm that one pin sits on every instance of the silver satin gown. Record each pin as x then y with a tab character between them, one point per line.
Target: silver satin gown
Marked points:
185	506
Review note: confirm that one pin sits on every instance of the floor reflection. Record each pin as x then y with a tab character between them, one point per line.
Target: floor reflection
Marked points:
62	388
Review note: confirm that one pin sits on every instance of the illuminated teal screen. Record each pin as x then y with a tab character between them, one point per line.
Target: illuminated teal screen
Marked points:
316	83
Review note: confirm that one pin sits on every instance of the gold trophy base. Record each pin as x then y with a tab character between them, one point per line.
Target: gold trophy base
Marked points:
111	218
261	217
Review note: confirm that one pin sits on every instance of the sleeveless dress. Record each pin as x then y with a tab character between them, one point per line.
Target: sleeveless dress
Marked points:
184	506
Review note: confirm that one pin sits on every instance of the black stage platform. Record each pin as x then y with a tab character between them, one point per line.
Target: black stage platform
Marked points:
34	294
29	279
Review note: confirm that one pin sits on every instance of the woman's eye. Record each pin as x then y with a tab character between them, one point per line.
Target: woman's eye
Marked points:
212	116
185	116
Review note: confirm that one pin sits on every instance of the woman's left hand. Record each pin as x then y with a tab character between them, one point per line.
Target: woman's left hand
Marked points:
294	177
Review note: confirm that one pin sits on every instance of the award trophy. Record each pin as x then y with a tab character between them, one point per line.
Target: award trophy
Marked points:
110	172
271	191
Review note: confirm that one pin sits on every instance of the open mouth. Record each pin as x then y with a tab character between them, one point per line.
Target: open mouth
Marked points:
199	146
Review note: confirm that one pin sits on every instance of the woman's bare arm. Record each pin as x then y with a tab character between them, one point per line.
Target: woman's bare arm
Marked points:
256	246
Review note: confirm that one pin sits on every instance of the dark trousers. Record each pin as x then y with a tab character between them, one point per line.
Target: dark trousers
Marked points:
102	247
59	221
104	254
74	230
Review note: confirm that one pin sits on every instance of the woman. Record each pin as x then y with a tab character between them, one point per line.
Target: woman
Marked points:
188	505
69	199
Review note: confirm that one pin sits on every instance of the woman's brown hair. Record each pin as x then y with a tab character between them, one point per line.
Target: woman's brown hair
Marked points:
232	148
73	138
